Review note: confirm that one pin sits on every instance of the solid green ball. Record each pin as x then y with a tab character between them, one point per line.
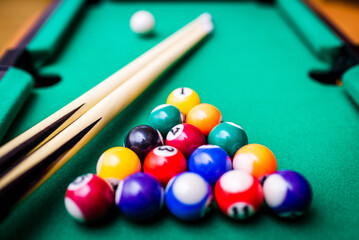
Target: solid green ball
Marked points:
228	136
164	117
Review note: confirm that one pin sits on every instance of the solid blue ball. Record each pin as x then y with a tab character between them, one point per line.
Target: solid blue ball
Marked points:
209	161
287	193
139	196
188	196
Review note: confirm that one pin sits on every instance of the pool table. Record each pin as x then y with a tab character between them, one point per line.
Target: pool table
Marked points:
256	68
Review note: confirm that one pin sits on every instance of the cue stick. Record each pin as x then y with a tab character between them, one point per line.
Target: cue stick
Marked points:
37	167
52	125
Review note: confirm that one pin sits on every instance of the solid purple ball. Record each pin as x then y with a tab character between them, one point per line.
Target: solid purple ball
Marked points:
139	196
287	193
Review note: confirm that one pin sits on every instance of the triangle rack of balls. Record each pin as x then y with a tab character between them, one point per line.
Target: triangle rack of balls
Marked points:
189	160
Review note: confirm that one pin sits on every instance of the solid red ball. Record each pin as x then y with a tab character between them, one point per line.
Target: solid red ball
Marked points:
186	138
238	194
164	162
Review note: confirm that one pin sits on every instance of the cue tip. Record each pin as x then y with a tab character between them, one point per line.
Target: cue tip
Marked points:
206	21
206	16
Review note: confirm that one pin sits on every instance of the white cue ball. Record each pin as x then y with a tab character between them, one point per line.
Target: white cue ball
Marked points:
142	22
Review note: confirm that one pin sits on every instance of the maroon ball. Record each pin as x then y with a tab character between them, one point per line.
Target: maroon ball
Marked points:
89	198
186	138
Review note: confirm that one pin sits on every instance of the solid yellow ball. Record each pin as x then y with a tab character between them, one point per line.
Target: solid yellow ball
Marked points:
184	99
117	163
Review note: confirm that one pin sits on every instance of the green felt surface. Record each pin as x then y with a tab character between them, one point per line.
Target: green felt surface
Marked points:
15	87
254	68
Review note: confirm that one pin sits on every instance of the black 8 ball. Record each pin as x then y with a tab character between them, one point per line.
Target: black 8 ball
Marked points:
142	139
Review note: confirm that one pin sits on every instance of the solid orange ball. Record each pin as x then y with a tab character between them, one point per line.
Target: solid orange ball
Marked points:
255	159
205	117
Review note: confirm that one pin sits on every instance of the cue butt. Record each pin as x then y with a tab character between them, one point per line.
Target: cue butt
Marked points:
36	136
37	167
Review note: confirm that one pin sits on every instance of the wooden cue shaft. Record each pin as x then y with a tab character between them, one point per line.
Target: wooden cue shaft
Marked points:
52	125
68	142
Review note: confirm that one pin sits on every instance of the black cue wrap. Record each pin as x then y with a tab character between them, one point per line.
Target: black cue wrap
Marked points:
13	192
13	157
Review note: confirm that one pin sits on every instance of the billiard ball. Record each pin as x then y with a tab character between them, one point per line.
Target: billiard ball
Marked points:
287	193
238	194
164	117
209	161
184	99
164	162
117	163
205	117
139	196
228	136
255	159
142	139
142	22
186	138
89	198
188	196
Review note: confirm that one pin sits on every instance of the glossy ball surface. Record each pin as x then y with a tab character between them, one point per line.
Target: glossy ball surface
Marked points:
205	117
142	139
255	159
184	99
238	194
117	163
164	162
164	117
186	138
142	22
209	161
287	193
188	196
228	136
89	198
139	196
